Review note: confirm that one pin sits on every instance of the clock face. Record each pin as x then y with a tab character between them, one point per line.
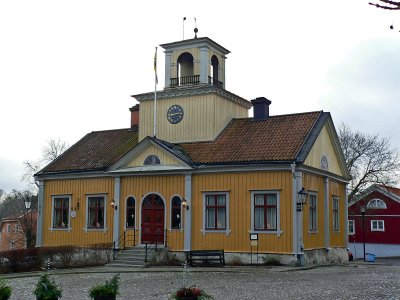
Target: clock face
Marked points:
175	114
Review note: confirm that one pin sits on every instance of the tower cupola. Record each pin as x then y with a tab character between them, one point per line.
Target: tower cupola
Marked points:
194	62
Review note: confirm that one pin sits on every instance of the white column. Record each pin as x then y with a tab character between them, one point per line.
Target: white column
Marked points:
204	65
346	217
326	214
187	243
39	227
167	69
117	193
298	242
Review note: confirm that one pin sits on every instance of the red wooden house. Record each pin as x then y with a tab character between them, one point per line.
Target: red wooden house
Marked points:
381	220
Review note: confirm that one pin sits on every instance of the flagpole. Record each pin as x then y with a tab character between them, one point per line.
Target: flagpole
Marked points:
155	94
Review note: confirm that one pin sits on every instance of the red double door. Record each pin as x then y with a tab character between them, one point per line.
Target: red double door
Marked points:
153	220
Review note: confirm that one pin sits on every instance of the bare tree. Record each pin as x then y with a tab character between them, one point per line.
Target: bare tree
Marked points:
50	152
391	5
369	158
13	206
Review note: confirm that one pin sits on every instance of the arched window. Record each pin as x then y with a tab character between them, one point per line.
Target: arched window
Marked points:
214	70
376	204
151	160
185	69
176	213
130	212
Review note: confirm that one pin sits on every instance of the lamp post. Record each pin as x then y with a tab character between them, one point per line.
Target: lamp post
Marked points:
363	209
28	223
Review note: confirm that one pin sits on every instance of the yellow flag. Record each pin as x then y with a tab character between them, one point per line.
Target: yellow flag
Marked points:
155	66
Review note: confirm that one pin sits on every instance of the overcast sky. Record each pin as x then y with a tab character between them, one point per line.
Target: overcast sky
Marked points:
69	67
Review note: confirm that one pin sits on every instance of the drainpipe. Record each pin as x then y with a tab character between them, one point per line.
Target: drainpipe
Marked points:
39	229
117	193
187	243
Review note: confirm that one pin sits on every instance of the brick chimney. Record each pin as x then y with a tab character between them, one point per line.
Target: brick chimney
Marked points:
134	116
260	108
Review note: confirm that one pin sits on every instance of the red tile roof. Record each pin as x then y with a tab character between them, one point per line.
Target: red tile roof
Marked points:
97	150
278	138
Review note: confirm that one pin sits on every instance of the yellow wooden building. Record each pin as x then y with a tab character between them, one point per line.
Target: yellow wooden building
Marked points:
194	171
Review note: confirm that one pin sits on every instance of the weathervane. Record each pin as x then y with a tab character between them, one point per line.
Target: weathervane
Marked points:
195	28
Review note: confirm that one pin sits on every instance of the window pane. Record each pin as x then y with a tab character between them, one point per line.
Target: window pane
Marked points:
221	218
271	199
259	218
259	200
221	200
271	218
210	200
210	218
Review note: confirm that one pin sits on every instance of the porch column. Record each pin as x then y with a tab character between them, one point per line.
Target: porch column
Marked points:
298	242
326	214
39	226
204	65
187	242
346	217
117	193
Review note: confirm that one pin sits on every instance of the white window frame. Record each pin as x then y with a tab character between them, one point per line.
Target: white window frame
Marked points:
126	207
352	232
375	225
68	228
227	230
8	227
170	214
374	203
278	230
17	228
91	229
335	226
313	230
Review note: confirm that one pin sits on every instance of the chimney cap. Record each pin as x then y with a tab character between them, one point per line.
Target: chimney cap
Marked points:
261	100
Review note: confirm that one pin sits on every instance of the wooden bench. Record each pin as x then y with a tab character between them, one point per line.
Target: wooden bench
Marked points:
205	258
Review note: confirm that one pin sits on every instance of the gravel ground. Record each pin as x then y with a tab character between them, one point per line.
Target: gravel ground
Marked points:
357	281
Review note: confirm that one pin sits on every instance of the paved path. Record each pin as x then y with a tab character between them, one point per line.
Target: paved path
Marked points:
356	281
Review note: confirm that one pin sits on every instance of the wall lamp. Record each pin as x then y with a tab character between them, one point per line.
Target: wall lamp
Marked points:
77	205
113	204
301	199
185	203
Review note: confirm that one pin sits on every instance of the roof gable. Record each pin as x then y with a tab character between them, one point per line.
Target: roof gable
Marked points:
169	155
390	192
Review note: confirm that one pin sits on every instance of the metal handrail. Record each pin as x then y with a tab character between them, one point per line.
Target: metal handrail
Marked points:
149	248
123	240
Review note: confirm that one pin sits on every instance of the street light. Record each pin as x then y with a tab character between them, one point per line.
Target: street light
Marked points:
363	209
28	223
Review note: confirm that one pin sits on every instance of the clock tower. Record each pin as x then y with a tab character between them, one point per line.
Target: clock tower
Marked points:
194	105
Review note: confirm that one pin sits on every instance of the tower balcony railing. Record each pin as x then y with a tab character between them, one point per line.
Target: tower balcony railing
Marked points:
187	80
216	82
193	80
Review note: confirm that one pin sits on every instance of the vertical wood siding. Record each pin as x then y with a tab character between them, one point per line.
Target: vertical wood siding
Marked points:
78	189
166	187
338	238
239	186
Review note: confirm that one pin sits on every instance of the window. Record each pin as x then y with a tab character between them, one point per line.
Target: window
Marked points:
130	212
312	222
61	212
335	206
96	212
151	160
377	225
376	204
265	211
216	212
176	206
17	228
352	228
8	227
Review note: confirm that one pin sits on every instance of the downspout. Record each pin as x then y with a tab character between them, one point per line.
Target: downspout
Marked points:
346	217
117	194
187	243
326	214
39	226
